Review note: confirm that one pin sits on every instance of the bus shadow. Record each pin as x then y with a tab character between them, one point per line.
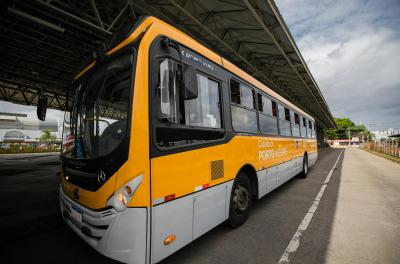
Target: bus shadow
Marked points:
315	242
272	223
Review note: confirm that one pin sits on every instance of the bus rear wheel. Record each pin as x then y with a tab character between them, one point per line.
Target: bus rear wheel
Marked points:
241	200
304	172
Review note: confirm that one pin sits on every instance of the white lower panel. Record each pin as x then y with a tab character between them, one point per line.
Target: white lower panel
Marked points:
229	186
188	218
209	209
269	179
299	165
284	171
125	237
312	158
172	218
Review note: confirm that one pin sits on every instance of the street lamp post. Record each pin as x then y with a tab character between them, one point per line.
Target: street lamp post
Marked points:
349	134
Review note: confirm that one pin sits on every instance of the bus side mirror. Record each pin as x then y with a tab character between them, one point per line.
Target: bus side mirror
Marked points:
191	90
41	107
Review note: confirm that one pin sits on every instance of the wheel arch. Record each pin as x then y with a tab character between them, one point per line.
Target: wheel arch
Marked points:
251	172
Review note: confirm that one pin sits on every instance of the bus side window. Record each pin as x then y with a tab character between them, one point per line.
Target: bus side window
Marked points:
244	116
235	92
284	121
296	125
309	129
303	127
205	110
314	130
169	91
187	121
260	103
267	116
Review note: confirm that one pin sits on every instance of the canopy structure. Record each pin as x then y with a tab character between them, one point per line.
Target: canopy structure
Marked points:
45	43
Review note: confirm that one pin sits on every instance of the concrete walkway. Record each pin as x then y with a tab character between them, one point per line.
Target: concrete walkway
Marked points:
366	223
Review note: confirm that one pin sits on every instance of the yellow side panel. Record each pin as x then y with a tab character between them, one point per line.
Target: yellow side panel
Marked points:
180	173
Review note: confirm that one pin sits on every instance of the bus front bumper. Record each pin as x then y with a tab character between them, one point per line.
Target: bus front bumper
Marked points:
118	235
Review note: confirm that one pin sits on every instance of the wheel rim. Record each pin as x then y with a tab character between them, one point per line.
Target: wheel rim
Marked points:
241	199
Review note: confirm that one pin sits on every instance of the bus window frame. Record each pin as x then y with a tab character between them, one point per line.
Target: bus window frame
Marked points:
155	58
302	119
253	90
261	93
221	106
184	126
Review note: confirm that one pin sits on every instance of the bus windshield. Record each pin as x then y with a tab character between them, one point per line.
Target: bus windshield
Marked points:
96	120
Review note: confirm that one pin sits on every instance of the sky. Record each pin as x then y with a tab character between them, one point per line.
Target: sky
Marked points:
31	111
352	48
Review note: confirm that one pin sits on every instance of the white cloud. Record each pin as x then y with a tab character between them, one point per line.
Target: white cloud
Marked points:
353	51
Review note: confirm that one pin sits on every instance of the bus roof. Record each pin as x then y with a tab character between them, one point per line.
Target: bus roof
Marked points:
206	52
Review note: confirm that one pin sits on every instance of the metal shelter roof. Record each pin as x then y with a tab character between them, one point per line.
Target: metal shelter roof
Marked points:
45	43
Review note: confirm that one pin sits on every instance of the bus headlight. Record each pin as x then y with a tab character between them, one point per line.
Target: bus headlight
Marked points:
123	196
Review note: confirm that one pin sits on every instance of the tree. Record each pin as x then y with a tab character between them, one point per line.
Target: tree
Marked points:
330	134
347	129
47	136
344	127
343	123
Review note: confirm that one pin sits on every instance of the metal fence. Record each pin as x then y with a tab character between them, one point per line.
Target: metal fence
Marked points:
389	147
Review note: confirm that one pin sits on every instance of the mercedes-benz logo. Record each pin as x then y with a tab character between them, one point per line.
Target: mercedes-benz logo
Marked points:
75	194
101	176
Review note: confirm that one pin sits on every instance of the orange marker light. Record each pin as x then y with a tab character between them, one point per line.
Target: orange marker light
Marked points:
128	190
169	197
169	239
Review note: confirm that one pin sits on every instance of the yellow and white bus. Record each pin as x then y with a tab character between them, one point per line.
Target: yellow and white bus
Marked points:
164	139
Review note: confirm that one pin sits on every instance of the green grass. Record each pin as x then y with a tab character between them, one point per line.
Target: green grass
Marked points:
392	158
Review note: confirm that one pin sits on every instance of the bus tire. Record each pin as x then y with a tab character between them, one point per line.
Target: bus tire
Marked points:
240	201
304	172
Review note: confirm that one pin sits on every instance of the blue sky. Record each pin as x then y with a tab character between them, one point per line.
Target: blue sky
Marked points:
352	48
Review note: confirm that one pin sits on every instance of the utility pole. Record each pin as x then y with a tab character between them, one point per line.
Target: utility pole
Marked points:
349	134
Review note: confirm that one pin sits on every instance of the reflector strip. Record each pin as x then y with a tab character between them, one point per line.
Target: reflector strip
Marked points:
158	201
201	187
164	199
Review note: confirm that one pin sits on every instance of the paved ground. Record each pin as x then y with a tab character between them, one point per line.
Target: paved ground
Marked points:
29	193
365	227
357	221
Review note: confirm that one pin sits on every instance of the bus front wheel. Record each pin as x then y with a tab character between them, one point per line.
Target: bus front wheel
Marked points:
241	200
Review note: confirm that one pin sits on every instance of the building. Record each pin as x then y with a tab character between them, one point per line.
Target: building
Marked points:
384	134
354	142
15	127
